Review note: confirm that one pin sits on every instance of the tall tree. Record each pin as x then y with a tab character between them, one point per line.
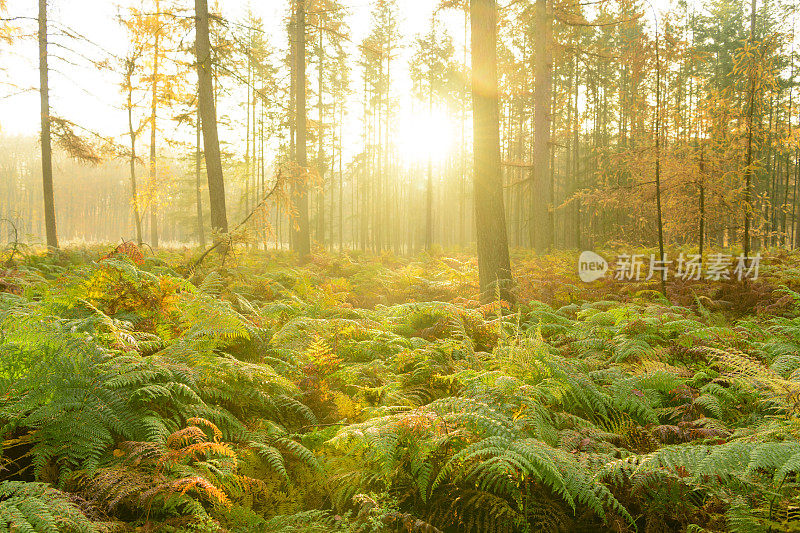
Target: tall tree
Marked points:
155	30
751	99
154	128
198	180
301	238
659	213
208	119
321	162
128	87
494	265
47	163
542	219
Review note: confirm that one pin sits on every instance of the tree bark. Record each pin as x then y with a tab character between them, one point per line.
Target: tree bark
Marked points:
429	182
208	116
137	218
320	148
702	205
153	133
748	172
660	221
542	219
47	163
201	230
301	240
494	266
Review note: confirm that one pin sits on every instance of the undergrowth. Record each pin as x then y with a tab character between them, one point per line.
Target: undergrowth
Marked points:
377	394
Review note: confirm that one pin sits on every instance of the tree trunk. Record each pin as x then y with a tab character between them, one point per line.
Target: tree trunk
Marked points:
429	183
153	133
137	218
542	218
208	116
702	206
320	149
494	266
748	172
47	164
301	240
386	205
250	83
201	230
341	179
660	221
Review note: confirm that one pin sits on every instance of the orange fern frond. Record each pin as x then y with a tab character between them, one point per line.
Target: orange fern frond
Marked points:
201	485
197	421
186	437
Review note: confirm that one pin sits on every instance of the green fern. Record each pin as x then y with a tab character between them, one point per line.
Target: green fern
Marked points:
37	507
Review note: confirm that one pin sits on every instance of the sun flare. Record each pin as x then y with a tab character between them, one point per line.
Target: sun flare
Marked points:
427	135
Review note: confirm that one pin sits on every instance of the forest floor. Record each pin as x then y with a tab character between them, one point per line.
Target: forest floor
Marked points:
375	393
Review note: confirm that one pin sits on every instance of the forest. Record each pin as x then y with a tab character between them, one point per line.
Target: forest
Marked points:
423	266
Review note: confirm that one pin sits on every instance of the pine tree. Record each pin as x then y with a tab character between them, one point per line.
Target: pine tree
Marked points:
47	164
208	118
494	266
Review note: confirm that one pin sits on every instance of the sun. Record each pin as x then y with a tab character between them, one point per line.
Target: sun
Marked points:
426	135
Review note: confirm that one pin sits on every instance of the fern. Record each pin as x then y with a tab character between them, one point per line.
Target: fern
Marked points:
37	507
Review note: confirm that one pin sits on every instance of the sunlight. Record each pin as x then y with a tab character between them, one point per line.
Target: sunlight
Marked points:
424	135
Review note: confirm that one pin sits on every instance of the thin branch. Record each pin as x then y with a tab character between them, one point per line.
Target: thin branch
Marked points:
278	183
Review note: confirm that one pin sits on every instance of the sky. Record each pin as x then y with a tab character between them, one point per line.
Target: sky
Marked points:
81	93
90	97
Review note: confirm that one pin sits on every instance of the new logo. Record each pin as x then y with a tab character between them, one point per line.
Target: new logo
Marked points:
591	266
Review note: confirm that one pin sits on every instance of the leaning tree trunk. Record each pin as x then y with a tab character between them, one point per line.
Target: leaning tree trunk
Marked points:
47	164
301	240
208	118
494	266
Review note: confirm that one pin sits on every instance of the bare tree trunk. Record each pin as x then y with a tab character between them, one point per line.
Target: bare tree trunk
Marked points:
429	183
542	218
341	180
47	164
462	193
137	218
494	266
795	197
386	204
320	149
658	167
748	172
576	151
250	83
208	114
301	240
153	132
702	206
201	230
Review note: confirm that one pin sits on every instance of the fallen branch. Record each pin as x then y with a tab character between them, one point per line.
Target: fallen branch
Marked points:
263	201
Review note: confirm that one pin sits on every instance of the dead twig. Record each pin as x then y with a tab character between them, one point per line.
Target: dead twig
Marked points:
278	183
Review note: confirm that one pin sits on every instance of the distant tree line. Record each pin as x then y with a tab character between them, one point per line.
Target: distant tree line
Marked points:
616	122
